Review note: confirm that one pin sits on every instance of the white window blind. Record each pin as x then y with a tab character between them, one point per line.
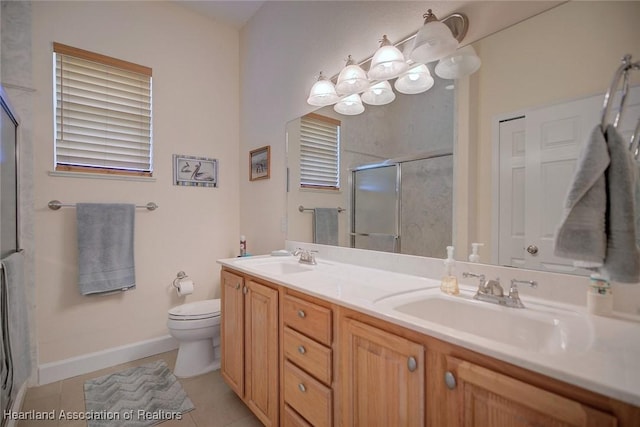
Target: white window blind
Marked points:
103	113
319	152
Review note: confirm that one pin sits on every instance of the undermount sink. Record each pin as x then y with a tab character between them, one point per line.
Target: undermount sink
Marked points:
533	329
277	265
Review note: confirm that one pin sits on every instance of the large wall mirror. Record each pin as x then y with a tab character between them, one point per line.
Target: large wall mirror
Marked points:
445	143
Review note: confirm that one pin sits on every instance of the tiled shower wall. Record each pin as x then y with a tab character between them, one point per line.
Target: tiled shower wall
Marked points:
15	75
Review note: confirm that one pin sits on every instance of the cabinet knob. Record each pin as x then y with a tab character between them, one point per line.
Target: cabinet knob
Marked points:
412	364
302	388
302	350
532	249
450	380
302	314
245	290
237	285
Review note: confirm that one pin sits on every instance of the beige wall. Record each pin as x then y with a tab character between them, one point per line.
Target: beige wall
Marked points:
195	112
569	53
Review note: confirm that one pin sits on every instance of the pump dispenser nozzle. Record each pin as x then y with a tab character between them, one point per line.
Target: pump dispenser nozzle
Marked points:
475	256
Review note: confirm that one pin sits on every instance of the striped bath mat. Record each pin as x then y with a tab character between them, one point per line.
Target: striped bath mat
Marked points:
136	397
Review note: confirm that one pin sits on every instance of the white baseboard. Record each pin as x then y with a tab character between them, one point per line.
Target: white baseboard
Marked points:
16	406
67	368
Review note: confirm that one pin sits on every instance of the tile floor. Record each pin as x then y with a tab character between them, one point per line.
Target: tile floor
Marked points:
216	405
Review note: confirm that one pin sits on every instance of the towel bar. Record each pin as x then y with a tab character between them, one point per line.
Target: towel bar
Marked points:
302	209
57	204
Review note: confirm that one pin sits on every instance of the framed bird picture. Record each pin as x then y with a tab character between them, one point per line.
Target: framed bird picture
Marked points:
194	171
260	163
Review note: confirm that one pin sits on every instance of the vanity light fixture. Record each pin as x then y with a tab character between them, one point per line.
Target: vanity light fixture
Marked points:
323	92
388	62
379	94
416	80
352	79
433	41
460	63
436	40
350	105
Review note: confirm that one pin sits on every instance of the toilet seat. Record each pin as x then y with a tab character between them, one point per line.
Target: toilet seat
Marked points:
198	310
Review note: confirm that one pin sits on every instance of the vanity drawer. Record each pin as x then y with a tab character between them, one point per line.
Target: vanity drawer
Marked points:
292	419
307	396
309	318
314	358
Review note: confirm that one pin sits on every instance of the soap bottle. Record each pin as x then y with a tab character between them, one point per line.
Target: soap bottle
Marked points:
475	256
243	246
449	283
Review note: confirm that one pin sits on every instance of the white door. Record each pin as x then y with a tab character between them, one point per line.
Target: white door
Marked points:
537	155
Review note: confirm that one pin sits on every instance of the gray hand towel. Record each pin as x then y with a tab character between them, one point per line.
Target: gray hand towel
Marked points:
622	263
105	247
325	226
582	235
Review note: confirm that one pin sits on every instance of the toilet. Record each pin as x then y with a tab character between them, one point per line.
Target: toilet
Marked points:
196	326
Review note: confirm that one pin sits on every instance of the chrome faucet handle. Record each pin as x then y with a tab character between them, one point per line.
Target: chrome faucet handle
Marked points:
514	295
306	256
479	276
513	290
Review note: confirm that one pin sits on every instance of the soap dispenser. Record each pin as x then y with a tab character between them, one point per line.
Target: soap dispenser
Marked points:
449	283
475	256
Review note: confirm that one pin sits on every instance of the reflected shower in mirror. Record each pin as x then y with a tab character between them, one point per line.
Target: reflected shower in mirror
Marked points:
395	175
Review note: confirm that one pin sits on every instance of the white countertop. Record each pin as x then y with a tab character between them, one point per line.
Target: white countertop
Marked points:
610	366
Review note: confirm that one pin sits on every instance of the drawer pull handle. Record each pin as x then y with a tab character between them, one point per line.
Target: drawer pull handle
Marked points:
302	350
302	314
412	364
302	388
450	380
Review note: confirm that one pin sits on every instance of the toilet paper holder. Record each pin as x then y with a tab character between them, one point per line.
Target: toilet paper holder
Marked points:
181	275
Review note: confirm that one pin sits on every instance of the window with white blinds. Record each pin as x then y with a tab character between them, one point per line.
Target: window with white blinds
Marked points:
319	152
103	113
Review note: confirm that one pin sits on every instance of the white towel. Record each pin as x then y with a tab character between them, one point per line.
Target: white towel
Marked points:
582	235
622	263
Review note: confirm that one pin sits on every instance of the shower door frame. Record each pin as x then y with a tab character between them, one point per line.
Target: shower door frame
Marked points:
397	162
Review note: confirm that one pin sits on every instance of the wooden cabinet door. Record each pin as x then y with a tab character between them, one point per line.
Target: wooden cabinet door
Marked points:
382	377
261	352
488	398
232	331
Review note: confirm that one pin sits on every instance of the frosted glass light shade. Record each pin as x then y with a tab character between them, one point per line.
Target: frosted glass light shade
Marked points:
322	93
416	80
350	106
388	62
352	79
379	94
461	63
433	41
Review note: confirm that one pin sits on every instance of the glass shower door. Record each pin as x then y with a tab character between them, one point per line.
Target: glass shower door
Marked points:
375	206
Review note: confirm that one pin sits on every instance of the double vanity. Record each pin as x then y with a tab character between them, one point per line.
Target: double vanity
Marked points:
341	344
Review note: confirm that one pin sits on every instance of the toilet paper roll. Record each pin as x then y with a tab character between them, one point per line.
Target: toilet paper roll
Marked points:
185	287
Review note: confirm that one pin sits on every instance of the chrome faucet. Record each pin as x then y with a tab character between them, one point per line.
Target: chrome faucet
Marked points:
491	291
306	256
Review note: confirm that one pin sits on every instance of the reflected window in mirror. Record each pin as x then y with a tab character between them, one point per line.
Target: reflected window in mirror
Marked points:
319	152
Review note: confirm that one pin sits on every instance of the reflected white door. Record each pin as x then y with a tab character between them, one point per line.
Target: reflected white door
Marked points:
538	155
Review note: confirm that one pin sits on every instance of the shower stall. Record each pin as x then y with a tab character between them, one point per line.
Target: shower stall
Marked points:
404	205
